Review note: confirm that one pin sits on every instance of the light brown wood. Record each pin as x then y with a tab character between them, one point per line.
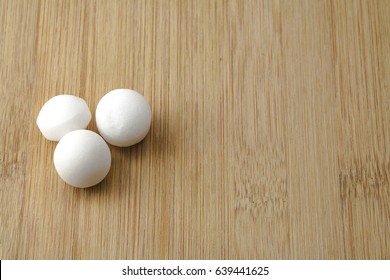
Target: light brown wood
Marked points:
270	134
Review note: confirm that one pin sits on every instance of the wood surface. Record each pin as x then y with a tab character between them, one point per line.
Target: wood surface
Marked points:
270	135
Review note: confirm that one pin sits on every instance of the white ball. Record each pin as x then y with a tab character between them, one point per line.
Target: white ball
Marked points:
123	117
82	158
62	114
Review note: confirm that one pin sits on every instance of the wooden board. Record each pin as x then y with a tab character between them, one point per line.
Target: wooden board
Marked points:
270	134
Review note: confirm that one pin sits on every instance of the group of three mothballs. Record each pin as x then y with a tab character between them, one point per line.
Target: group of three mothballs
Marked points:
82	157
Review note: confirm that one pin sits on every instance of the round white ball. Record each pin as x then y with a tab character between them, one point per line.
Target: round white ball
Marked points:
82	158
62	114
123	117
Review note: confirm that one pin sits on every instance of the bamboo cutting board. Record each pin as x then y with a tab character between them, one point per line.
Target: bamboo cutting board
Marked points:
270	133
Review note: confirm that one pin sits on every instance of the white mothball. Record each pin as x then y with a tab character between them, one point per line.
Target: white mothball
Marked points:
82	158
62	114
123	117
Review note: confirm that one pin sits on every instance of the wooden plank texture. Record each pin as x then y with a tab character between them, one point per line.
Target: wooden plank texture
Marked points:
270	133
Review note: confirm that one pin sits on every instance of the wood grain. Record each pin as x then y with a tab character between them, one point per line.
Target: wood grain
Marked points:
270	134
